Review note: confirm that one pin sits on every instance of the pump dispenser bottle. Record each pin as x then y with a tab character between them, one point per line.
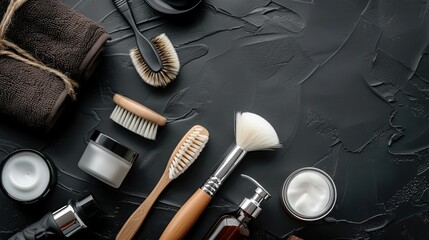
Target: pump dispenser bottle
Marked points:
235	226
62	223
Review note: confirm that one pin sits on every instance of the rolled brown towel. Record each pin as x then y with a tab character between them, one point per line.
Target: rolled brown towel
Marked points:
34	91
57	35
30	95
293	237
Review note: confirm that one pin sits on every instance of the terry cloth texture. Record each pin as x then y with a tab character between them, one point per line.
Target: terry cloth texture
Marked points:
61	39
29	95
57	35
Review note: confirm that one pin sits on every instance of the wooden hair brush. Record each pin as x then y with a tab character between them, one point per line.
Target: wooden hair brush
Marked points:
252	133
156	61
182	157
136	117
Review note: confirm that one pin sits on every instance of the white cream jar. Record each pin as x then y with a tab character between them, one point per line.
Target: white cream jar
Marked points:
106	159
27	175
309	194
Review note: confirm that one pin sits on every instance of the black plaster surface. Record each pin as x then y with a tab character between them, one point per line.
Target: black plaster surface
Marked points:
345	83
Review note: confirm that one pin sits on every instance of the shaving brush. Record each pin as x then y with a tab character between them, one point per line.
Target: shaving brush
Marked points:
252	133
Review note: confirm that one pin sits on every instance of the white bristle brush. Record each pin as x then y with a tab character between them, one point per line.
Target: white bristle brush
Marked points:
136	117
252	133
182	157
156	61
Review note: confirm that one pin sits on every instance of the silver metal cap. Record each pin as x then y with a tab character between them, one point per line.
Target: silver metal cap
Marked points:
68	221
251	206
70	217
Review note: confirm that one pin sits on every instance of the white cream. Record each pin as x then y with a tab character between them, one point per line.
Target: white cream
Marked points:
309	194
25	176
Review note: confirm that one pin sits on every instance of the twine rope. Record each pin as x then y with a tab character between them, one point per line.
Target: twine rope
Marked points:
12	50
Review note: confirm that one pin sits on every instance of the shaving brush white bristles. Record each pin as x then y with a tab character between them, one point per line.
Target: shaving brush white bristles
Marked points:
134	123
188	152
254	133
170	63
136	117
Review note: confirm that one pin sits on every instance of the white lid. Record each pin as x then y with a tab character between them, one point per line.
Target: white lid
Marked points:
25	176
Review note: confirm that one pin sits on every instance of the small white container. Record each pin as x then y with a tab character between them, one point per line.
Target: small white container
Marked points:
107	160
27	176
309	194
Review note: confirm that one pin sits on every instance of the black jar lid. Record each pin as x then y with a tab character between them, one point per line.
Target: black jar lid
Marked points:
85	207
166	8
112	145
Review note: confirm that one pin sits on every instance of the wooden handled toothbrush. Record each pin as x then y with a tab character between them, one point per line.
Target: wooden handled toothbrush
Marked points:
182	157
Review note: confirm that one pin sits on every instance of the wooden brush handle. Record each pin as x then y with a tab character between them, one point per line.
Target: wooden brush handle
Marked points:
139	110
185	218
132	225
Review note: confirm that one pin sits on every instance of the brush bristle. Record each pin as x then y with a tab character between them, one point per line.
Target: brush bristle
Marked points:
134	123
188	152
170	63
254	133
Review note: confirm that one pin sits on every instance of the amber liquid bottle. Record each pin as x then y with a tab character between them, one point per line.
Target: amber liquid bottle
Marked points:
236	226
231	227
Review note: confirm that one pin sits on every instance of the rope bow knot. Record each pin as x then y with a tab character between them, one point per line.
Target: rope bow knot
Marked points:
12	50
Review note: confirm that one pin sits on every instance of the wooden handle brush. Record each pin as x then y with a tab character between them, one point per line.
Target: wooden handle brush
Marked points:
252	133
136	117
156	61
182	157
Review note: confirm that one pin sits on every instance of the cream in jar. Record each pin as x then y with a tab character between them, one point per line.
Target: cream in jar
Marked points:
309	194
27	175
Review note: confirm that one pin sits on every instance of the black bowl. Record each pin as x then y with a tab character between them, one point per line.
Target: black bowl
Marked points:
166	8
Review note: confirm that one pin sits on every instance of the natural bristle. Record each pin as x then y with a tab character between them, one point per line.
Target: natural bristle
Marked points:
253	133
134	123
170	63
188	151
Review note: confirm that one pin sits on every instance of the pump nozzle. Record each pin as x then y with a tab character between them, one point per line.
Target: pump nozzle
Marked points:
251	206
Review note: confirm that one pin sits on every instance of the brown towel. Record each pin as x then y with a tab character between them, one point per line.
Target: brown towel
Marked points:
56	35
62	41
29	95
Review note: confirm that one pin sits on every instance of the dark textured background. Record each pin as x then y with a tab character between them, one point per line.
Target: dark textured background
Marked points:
344	82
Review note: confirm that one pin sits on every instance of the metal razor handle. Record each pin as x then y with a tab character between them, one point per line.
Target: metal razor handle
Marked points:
228	165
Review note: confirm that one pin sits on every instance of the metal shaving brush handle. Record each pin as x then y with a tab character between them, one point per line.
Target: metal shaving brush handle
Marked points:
228	165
